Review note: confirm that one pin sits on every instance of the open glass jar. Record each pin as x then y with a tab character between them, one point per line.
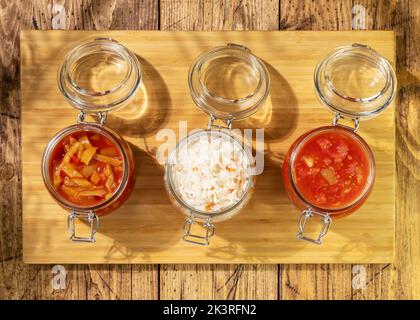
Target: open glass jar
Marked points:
329	171
209	174
86	167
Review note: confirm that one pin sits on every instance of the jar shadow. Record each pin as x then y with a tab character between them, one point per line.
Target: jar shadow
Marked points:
145	213
260	233
278	116
274	231
150	108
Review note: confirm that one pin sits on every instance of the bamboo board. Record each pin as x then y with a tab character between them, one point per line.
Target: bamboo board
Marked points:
147	229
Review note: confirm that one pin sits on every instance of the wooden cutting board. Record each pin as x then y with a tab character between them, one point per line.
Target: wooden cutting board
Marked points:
148	229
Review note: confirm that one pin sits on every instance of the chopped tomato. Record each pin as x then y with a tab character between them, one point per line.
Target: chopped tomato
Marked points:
324	143
351	168
331	169
340	151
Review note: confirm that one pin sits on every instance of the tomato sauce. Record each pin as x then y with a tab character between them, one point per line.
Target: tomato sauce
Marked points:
331	169
86	167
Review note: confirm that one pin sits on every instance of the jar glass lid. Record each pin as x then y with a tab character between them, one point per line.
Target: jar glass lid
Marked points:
99	75
355	81
229	82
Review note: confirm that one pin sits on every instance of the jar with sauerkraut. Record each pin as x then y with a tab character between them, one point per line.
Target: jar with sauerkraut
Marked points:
209	175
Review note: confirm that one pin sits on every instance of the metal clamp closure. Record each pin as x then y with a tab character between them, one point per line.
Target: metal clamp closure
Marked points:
194	238
360	45
326	223
102	115
90	217
355	120
105	38
211	124
230	44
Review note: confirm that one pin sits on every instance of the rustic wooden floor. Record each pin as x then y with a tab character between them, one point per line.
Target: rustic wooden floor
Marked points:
400	280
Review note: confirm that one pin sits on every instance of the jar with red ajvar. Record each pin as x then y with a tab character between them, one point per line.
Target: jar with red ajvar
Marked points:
329	171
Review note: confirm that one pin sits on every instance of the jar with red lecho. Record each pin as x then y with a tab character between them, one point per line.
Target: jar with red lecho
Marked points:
209	175
86	167
329	171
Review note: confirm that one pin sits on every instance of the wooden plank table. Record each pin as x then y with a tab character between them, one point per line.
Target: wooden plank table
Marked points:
148	228
390	281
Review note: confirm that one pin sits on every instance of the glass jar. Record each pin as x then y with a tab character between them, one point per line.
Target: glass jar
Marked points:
329	171
209	174
229	82
99	75
88	168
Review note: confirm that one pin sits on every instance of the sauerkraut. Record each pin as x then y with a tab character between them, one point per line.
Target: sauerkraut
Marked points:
210	172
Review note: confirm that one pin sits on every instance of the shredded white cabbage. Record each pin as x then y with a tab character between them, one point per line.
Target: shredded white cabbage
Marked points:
210	172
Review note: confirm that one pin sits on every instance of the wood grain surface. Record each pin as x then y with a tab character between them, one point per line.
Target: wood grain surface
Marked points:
148	228
399	280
